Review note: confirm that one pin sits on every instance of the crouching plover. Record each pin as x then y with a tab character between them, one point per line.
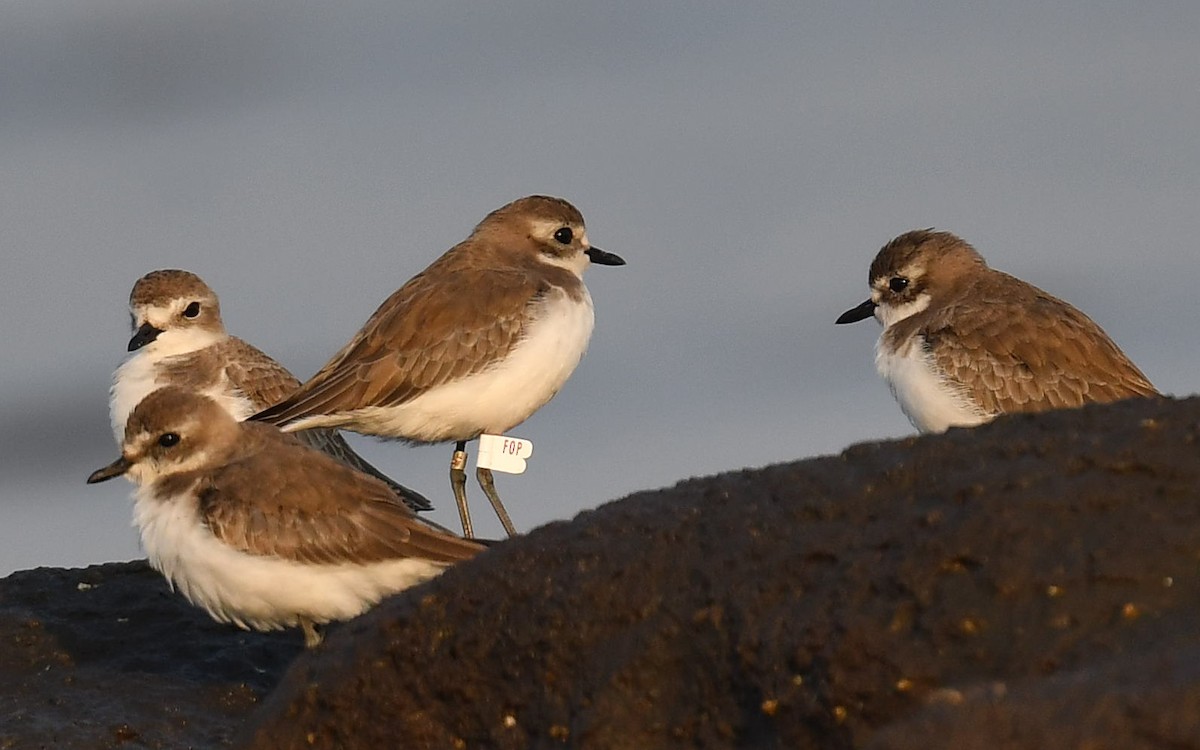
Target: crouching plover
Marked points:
261	530
474	344
179	339
963	343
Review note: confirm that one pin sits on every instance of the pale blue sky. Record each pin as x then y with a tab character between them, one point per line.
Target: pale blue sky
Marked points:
747	159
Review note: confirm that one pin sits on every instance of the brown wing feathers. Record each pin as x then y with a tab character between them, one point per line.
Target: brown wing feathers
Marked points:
260	378
307	507
415	341
1031	352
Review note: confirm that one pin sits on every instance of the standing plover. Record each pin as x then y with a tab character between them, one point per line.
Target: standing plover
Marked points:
474	344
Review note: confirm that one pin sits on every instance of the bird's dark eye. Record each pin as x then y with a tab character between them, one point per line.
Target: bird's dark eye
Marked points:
191	310
898	284
564	235
168	439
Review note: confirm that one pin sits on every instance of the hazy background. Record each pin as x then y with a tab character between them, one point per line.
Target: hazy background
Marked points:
748	160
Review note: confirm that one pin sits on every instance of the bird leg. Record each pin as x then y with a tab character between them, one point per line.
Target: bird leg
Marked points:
312	636
489	488
458	483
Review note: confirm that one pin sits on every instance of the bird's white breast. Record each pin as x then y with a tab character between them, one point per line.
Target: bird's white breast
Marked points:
925	396
133	381
145	371
260	592
498	398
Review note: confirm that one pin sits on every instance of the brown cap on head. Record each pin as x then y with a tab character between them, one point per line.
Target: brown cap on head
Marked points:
929	247
173	408
161	287
534	207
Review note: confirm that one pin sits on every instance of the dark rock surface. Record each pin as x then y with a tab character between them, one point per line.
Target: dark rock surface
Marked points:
108	657
1028	584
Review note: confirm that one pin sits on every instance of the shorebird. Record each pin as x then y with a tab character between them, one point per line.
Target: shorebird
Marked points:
179	339
262	530
963	343
474	344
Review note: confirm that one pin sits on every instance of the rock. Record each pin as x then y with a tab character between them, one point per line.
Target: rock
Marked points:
107	657
1027	584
